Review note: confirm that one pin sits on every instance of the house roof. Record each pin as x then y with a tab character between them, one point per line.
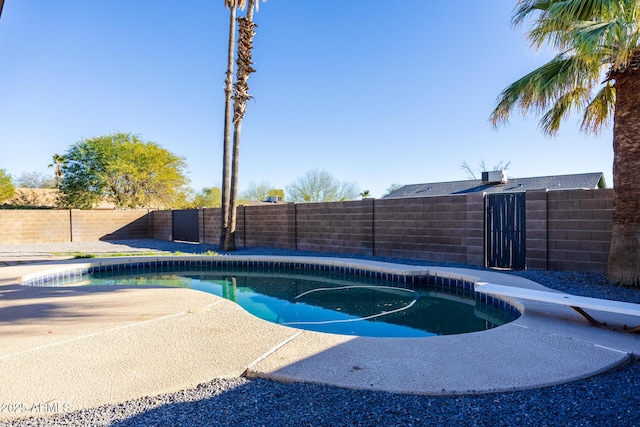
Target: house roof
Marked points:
40	197
512	185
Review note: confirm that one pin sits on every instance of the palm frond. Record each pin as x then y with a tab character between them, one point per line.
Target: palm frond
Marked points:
565	11
627	50
600	110
525	8
573	100
581	10
613	42
562	78
553	21
590	35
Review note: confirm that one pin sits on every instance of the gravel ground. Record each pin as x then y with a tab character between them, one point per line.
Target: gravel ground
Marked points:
610	399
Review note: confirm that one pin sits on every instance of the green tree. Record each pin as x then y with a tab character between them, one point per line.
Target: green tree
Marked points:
6	186
320	186
596	71
185	198
123	169
34	180
208	197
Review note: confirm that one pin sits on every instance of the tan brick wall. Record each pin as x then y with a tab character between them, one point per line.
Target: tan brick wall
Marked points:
92	225
52	226
34	226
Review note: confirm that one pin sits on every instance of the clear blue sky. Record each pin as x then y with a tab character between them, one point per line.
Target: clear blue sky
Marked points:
374	92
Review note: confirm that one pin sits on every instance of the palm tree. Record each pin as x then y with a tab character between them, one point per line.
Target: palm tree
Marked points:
233	5
595	71
58	164
240	98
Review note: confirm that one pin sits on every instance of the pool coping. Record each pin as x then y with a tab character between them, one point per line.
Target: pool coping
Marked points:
546	345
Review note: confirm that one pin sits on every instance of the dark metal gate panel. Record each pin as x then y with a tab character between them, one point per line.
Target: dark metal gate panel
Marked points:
505	231
186	226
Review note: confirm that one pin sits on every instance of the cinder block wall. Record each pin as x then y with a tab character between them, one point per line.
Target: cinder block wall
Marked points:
92	225
579	229
267	225
162	225
53	226
536	229
210	225
565	230
344	227
449	228
475	229
433	228
34	226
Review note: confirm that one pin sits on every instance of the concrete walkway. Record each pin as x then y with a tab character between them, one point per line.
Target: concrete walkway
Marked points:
67	348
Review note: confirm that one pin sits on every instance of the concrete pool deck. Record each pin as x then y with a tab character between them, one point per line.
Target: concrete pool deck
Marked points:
68	348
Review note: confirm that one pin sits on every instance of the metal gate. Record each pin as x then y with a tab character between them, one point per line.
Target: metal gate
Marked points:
186	226
505	231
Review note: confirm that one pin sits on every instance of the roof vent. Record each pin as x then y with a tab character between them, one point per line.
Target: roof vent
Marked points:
494	177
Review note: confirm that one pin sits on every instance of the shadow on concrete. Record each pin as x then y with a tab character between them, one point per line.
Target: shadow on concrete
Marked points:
22	303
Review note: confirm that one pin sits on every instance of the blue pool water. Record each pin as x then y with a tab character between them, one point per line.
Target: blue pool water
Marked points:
332	303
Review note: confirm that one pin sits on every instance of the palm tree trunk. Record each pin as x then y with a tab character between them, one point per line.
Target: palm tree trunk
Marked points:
226	148
241	96
624	254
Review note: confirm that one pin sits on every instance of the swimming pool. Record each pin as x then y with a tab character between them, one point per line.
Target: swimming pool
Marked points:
339	300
